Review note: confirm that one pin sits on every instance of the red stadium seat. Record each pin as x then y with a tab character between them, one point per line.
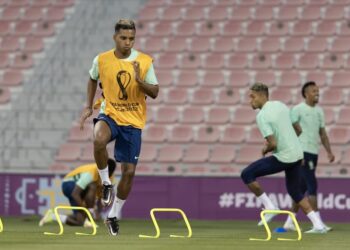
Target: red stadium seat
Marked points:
213	79
165	78
222	154
10	13
319	77
344	29
270	3
255	136
9	44
200	44
266	77
23	28
154	44
214	61
285	61
248	154
34	44
344	116
40	3
341	79
323	158
192	115
287	13
262	61
196	154
282	94
232	28
233	134
217	13
244	115
334	13
177	96
317	44
154	133
167	114
148	153
329	115
201	2
203	96
180	2
224	44
278	29
186	29
333	61
218	115
302	28
239	79
11	78
332	97
177	44
5	28
172	13
208	29
78	135
63	3
341	44
240	13
290	79
33	14
181	133
148	14
207	134
167	61
246	44
255	28
326	28
190	61
163	29
170	153
23	61
187	78
270	45
311	12
87	153
294	44
308	61
194	13
4	60
44	29
228	97
237	61
68	152
55	14
263	13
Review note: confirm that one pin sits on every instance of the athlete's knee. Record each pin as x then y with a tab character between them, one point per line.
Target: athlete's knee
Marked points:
247	176
128	171
295	192
100	142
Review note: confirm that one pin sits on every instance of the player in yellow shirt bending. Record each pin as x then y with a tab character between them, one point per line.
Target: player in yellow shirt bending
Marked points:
127	76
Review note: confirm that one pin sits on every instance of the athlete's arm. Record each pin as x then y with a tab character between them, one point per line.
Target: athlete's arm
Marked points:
76	194
297	128
270	145
149	89
326	144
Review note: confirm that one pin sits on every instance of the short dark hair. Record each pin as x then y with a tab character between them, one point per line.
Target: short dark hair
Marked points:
125	24
111	166
305	86
261	88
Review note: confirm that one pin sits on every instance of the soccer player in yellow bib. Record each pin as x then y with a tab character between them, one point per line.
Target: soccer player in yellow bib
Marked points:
127	77
80	187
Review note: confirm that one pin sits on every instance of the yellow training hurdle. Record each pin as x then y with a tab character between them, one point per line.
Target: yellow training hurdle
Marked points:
1	226
267	228
189	235
94	230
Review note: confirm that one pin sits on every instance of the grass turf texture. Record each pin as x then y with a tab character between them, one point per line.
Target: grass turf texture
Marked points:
24	233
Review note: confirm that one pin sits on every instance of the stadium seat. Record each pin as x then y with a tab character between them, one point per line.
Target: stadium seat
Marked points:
224	44
87	153
208	29
323	158
270	3
262	61
23	28
344	29
59	167
180	2
270	45
237	61
344	116
34	44
165	78
290	79
23	61
285	61
148	14
203	96
5	28
148	153
266	77
167	61
308	61
68	152
172	13
9	44
326	28
233	134
63	3
218	13
187	78
311	12
186	29
213	79
246	44
319	77
248	154
218	115
244	115
170	153
196	154
278	28
177	44
78	135
10	13
40	3
332	97
339	135
240	13
346	157
44	29
263	13
239	79
200	44
329	115
194	13
5	96
229	96
176	96
222	154
255	136
207	134
255	28
163	29
294	44
334	12
287	13
4	60
333	61
11	78
166	114
190	61
340	79
302	28
340	44
181	134
154	133
154	44
33	14
317	44
282	94
55	14
201	2
213	61
192	115
231	29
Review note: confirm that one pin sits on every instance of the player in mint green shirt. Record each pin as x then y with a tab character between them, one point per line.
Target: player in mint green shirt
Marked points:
309	123
281	140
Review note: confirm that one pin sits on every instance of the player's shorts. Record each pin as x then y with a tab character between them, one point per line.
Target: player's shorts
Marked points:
308	173
271	165
67	189
127	146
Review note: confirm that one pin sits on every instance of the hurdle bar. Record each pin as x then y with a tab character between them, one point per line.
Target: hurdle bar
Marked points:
267	228
1	226
94	230
156	226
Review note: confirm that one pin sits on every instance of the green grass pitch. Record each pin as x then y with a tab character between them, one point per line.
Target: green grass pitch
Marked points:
24	234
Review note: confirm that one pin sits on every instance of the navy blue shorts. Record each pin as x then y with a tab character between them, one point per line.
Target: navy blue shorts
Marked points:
67	189
271	165
308	174
127	140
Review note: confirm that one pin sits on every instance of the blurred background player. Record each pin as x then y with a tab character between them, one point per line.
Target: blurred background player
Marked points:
127	76
309	124
275	125
80	186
